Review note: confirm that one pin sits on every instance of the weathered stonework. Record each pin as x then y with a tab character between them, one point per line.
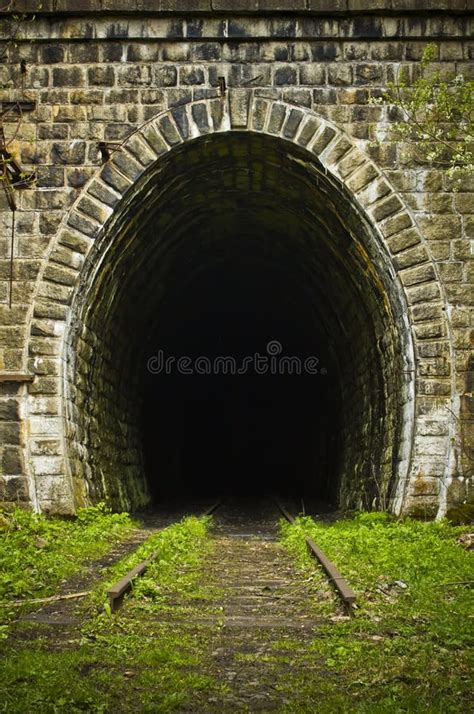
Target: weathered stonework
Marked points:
298	77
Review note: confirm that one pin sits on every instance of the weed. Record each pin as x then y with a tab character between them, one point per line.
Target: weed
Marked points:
36	552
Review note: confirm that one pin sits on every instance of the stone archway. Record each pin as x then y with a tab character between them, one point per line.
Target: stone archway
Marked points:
339	193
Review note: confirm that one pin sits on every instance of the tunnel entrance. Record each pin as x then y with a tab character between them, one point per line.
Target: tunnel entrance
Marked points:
236	247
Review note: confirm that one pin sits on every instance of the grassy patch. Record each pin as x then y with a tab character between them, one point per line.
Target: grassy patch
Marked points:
178	548
408	649
135	660
36	553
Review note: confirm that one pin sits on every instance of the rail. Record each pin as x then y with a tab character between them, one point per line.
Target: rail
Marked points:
345	592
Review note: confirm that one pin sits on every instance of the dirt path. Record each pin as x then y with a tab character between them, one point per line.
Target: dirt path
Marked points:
260	612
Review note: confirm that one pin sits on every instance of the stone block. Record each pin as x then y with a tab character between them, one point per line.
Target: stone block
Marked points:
83	53
277	117
50	310
51	465
387	207
322	140
9	410
10	433
410	257
239	107
436	367
46	346
49	177
426	311
12	461
52	53
325	51
340	74
72	76
285	75
440	227
115	179
155	139
45	447
53	492
429	331
396	224
134	75
308	131
420	274
191	75
83	224
14	489
165	76
45	328
68	152
451	272
101	76
74	240
60	275
440	250
350	163
368	73
435	387
168	130
259	114
300	96
219	119
312	74
336	152
103	193
142	152
126	164
201	117
292	123
176	51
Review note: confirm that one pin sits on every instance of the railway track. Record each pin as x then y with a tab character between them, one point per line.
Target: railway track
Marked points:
251	615
62	612
246	520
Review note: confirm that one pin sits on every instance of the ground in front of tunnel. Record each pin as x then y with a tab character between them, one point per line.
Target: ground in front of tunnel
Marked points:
226	635
232	615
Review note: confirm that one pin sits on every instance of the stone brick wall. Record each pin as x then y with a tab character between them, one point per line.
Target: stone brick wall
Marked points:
303	72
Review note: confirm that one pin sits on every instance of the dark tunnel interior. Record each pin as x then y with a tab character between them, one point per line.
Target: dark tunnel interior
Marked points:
256	423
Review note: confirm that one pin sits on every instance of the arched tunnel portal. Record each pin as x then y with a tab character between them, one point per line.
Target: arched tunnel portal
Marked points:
237	246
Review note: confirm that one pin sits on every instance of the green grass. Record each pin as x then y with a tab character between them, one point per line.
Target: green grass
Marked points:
409	646
36	553
134	660
181	544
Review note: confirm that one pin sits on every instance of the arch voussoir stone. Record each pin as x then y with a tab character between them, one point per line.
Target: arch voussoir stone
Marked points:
103	193
139	148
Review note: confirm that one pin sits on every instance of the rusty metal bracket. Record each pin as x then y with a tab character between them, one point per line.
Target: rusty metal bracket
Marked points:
106	149
222	86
